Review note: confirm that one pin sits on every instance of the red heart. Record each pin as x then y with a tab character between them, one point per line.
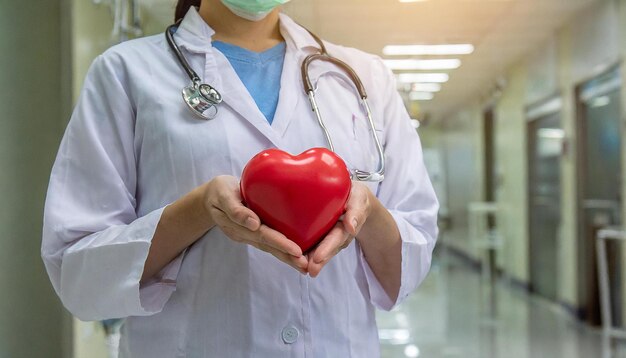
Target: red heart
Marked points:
300	196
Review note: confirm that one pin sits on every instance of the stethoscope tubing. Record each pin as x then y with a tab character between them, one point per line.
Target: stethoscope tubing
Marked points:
169	35
309	89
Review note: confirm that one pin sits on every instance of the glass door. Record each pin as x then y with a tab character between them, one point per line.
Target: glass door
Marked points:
599	162
545	147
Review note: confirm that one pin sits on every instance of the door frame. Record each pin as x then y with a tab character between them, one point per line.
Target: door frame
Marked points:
489	147
489	127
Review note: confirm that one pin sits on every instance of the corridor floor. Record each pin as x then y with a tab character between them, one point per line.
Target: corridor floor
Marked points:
446	318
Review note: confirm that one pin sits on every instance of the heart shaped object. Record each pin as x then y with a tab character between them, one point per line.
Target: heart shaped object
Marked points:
300	196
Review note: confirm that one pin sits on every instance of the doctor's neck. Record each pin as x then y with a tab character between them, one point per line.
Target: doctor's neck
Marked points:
255	36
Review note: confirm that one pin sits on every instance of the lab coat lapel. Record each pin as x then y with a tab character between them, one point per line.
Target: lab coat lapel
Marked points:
290	91
236	96
299	45
194	35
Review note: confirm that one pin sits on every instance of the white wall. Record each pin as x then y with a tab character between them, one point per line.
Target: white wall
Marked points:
462	147
511	169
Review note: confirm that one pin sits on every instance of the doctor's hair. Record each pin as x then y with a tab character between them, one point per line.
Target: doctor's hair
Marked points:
183	6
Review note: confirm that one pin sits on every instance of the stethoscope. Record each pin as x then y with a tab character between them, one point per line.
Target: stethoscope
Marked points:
203	99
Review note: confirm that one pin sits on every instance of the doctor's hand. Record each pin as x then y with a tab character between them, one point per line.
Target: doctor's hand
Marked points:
222	199
358	209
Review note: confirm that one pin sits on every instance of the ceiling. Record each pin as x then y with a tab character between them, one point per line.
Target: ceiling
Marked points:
501	30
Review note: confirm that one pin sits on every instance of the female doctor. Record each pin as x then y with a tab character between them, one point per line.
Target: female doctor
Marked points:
144	219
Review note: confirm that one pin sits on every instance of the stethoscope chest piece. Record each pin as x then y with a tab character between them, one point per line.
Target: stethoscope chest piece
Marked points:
202	99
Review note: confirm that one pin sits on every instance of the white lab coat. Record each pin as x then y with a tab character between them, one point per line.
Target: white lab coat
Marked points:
132	147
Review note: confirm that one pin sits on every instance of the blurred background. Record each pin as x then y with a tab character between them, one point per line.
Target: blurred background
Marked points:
519	104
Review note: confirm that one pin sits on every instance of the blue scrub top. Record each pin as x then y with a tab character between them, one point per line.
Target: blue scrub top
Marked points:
260	72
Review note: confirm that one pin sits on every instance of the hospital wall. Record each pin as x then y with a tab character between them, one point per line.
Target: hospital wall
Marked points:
580	49
92	25
35	97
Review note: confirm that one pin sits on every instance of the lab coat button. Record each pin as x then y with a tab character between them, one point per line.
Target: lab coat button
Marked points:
290	334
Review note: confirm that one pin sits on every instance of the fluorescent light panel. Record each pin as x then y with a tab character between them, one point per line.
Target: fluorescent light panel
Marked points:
435	50
410	64
423	77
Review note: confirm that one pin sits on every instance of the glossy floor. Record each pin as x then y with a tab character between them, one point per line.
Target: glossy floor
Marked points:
446	318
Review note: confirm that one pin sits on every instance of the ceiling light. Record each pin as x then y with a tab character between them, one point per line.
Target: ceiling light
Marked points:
408	50
423	77
421	96
426	87
411	351
412	0
445	64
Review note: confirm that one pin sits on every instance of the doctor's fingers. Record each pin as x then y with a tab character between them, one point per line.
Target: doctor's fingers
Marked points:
224	195
336	240
263	236
299	263
269	237
358	208
231	206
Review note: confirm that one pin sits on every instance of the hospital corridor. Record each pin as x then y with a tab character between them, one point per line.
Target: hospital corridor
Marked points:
312	178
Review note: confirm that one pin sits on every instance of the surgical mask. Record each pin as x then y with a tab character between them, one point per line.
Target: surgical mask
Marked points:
253	10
